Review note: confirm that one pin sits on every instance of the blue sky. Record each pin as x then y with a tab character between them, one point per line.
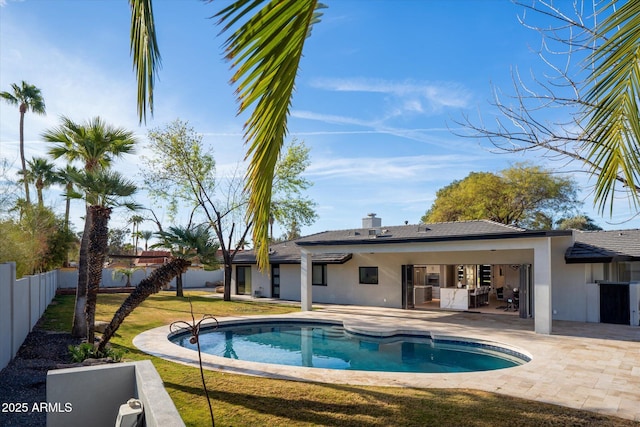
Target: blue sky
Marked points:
380	89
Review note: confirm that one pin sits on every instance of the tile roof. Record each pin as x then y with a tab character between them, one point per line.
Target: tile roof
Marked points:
589	246
153	257
461	230
289	253
604	246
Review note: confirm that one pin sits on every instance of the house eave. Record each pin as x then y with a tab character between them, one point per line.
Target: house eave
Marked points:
381	239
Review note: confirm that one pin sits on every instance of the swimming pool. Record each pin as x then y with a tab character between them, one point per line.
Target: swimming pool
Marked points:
330	345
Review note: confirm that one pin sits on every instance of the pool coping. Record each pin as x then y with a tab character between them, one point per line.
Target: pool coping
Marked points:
565	370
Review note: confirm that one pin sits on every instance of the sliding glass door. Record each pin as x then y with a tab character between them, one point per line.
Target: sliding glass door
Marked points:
243	280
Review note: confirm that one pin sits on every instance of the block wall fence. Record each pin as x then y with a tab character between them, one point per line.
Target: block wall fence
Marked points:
24	300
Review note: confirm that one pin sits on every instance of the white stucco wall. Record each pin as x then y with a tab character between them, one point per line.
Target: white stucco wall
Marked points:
290	282
193	278
343	285
571	294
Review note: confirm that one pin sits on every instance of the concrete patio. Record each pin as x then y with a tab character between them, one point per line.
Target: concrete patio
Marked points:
590	366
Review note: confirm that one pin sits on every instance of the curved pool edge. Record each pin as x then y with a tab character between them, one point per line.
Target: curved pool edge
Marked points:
156	342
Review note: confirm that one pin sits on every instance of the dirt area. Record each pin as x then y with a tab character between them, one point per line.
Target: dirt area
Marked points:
23	380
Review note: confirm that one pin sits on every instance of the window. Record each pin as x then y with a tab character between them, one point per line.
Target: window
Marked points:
319	275
369	275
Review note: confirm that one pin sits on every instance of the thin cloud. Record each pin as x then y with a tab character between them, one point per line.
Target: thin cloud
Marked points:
414	168
416	96
424	135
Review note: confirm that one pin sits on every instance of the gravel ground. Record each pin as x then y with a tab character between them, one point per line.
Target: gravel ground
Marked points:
23	380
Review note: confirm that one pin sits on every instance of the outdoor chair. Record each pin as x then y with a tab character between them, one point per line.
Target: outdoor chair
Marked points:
513	303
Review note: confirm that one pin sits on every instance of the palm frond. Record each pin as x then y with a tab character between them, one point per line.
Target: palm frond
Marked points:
145	53
104	188
265	48
94	142
188	243
614	117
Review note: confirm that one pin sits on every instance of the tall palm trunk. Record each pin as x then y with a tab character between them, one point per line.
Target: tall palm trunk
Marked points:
67	208
39	188
179	286
23	110
150	285
79	328
98	244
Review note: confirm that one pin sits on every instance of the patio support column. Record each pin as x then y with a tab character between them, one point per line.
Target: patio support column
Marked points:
542	284
305	280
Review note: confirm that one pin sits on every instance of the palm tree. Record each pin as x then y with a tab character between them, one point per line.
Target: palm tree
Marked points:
613	112
96	144
186	245
64	176
190	242
26	97
103	190
265	48
135	221
41	172
146	235
122	272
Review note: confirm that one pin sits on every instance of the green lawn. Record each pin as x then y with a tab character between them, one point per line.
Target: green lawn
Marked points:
240	400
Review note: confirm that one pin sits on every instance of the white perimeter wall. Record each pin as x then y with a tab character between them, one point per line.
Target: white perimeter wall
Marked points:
191	279
22	302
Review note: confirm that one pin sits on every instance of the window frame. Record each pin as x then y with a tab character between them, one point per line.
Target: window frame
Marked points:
368	279
323	274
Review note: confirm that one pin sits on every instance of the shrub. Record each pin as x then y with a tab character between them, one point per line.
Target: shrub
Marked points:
79	353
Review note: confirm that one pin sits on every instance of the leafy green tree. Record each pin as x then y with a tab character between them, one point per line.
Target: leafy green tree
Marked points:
28	98
103	190
9	189
187	244
40	172
612	108
578	222
36	241
95	144
182	173
523	195
117	241
289	206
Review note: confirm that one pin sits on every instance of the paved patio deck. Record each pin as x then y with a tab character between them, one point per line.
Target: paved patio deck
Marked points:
590	366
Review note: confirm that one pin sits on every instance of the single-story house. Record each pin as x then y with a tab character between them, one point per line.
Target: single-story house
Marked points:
545	274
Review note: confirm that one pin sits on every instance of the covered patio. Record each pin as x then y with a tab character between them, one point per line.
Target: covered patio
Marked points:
393	253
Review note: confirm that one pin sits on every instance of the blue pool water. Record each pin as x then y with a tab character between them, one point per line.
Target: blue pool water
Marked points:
323	345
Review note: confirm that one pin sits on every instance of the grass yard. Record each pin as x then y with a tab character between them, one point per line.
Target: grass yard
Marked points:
240	400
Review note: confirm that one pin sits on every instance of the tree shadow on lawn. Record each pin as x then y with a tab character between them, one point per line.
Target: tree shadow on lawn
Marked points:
343	405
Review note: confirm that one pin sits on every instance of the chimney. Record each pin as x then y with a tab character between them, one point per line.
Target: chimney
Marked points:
371	221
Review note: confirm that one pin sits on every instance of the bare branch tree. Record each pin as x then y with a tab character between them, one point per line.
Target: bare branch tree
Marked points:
543	113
